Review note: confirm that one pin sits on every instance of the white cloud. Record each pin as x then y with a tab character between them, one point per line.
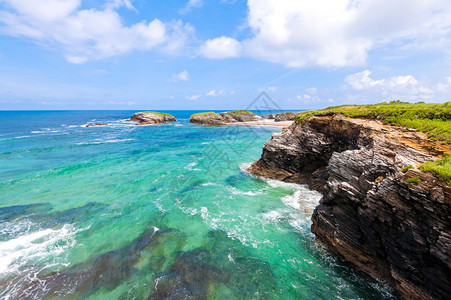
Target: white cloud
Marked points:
310	96
445	86
222	47
182	76
404	87
338	33
193	97
85	34
214	93
191	5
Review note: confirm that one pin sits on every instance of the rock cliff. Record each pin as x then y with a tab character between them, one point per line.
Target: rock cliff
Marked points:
224	118
150	117
391	224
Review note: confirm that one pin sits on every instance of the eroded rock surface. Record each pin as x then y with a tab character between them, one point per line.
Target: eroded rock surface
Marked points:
370	214
286	116
149	117
224	118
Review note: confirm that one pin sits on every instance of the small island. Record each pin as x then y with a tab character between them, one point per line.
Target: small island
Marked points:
151	117
224	118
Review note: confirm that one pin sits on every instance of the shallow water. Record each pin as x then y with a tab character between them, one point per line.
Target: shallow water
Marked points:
158	211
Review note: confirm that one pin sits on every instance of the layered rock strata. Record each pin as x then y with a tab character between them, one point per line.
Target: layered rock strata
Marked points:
371	214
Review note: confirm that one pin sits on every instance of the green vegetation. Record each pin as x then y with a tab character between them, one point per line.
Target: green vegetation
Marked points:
240	112
440	167
414	180
205	114
406	168
431	118
160	114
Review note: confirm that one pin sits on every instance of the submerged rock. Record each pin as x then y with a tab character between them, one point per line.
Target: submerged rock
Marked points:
152	117
370	214
96	125
224	118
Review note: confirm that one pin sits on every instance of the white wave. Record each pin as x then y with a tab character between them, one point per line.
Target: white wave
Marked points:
236	191
96	142
209	184
245	166
34	248
204	213
191	166
45	130
22	137
272	216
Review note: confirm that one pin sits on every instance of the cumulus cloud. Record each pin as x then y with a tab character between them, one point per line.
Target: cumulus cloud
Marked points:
404	87
337	33
222	47
85	34
182	76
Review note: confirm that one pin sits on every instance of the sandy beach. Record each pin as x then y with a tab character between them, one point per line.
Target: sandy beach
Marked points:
266	122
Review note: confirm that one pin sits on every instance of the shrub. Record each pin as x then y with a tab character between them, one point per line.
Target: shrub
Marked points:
406	168
439	167
414	180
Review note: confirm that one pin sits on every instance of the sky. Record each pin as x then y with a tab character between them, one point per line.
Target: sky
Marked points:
222	54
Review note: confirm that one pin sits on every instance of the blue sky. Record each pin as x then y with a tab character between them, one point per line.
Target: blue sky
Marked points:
221	54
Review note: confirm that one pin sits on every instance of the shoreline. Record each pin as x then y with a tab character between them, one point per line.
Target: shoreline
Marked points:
265	122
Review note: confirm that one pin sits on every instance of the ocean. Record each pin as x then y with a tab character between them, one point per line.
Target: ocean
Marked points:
155	212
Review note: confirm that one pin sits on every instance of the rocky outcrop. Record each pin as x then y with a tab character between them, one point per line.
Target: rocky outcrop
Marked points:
150	117
96	124
286	116
394	226
224	118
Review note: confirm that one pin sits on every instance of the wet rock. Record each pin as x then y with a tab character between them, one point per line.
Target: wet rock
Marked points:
369	214
151	117
96	125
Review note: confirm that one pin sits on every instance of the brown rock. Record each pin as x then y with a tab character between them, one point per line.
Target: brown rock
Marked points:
370	215
150	117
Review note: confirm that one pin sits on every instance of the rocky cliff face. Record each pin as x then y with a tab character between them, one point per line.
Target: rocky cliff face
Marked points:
370	214
148	118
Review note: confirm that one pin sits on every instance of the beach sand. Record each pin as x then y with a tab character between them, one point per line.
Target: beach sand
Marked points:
266	122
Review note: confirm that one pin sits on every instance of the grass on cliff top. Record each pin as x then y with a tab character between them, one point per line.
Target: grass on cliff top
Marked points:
160	114
440	167
240	112
431	118
205	114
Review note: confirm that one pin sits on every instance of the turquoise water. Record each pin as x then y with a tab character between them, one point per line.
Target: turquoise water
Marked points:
162	211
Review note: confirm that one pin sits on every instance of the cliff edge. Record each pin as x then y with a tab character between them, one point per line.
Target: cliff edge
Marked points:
378	210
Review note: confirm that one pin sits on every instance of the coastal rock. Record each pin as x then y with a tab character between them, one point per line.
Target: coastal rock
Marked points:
96	125
286	116
151	117
370	214
224	118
